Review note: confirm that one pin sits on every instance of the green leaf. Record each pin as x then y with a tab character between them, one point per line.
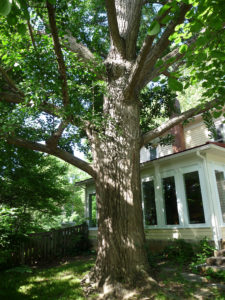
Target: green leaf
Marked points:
217	114
164	9
183	48
11	19
174	84
21	29
218	54
154	28
166	19
5	7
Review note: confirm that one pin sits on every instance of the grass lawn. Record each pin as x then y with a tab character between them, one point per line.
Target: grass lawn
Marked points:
59	282
63	282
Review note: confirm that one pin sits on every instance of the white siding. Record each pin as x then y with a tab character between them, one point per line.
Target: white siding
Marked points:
196	135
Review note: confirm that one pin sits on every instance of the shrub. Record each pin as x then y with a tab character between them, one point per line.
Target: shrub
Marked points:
179	251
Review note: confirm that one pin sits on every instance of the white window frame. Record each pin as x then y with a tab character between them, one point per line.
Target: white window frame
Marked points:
220	168
206	210
147	179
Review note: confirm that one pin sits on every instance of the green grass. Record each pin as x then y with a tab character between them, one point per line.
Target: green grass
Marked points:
61	282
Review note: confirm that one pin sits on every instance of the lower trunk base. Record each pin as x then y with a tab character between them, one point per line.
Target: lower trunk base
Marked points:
110	289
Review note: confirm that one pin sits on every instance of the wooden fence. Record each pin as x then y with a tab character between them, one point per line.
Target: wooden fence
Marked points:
48	246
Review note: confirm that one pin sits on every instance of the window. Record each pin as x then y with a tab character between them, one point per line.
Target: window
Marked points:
170	201
220	133
149	203
194	198
153	153
220	181
92	210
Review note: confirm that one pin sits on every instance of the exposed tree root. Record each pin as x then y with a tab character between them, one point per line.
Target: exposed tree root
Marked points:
112	289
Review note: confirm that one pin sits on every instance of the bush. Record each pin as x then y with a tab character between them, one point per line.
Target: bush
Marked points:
203	250
179	251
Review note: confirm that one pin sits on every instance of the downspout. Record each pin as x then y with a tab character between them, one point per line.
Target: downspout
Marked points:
215	226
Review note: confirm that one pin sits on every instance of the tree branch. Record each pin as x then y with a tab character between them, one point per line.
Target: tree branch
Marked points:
17	99
10	81
159	131
118	41
62	154
58	52
149	55
83	53
52	142
175	55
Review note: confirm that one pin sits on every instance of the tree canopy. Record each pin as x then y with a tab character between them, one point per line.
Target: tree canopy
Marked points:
59	79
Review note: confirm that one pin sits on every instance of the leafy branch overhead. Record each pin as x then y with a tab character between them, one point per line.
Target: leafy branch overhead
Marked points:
58	57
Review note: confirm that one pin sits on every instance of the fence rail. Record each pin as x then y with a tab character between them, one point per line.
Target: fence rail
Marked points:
48	246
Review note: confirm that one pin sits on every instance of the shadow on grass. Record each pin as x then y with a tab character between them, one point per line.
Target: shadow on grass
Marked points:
62	282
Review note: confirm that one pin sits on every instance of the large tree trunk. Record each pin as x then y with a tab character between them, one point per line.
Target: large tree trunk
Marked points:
121	241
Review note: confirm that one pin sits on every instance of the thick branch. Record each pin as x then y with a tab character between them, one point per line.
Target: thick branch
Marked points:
17	99
173	58
52	142
118	41
83	53
58	52
148	56
159	131
64	155
134	13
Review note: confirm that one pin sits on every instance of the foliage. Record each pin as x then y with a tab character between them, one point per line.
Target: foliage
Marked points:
203	250
179	251
218	275
31	61
61	281
32	192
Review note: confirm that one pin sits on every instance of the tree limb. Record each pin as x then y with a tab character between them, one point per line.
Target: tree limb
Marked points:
149	55
83	53
58	52
52	142
159	131
10	81
62	154
17	99
81	50
118	41
167	62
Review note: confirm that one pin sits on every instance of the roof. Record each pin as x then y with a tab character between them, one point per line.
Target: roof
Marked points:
201	147
84	182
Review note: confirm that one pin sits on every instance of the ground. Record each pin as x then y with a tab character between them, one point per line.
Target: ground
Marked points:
63	282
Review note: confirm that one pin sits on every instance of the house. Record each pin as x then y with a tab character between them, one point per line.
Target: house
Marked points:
183	187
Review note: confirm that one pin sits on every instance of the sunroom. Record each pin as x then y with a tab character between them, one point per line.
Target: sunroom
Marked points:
183	196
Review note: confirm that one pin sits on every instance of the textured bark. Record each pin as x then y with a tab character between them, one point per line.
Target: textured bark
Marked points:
121	240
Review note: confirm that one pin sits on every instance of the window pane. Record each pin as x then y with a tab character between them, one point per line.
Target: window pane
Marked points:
221	191
194	198
149	203
170	200
92	211
153	153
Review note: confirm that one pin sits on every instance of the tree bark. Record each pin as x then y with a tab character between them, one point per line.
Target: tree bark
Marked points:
121	240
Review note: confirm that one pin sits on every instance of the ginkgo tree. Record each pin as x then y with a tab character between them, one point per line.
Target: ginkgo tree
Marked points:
73	73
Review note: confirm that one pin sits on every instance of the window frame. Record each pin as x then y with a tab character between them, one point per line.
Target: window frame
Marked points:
220	168
205	200
147	179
